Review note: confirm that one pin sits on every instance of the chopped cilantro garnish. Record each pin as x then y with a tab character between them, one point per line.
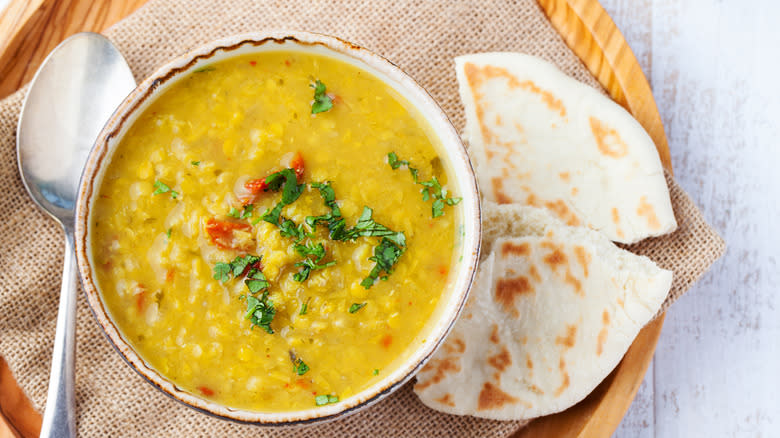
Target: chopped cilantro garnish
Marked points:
234	212
256	281
205	69
305	307
222	271
195	163
432	189
160	188
291	191
289	229
299	366
323	399
272	215
322	102
355	307
313	256
260	311
376	371
168	233
437	208
386	255
391	247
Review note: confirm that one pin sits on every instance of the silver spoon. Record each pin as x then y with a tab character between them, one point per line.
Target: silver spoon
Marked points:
72	95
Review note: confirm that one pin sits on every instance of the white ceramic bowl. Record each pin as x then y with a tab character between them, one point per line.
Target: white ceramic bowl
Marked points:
453	155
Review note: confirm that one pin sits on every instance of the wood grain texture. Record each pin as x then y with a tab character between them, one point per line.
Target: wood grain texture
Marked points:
587	29
30	29
713	66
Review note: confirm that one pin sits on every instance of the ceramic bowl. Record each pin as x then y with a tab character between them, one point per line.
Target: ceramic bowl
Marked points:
453	155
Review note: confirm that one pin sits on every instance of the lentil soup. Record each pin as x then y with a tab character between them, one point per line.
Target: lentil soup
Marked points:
274	231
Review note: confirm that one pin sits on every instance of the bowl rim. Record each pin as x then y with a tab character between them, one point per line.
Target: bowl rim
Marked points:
135	102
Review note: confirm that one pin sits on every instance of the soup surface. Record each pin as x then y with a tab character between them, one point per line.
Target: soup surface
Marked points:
272	232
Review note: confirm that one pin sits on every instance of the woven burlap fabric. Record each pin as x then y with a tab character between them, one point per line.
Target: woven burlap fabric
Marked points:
422	38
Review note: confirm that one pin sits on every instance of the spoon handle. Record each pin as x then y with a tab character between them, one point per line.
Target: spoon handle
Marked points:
59	417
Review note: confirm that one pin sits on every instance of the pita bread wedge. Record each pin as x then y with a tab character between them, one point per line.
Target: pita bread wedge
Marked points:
541	138
553	310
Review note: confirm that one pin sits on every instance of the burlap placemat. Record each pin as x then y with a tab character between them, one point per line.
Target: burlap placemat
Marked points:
422	38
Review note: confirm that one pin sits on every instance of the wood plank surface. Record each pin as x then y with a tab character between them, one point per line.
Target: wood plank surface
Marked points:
712	65
30	29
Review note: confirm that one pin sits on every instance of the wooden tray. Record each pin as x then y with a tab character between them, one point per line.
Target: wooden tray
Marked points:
29	29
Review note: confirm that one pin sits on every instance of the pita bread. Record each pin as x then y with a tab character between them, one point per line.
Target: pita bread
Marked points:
552	311
541	138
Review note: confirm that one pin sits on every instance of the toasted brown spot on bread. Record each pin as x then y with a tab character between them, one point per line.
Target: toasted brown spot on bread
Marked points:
535	389
648	212
498	190
446	399
534	274
565	380
556	257
607	139
500	361
507	289
522	249
564	213
574	282
574	191
615	216
565	176
570	338
491	397
532	200
494	335
603	333
528	362
583	258
457	346
498	121
477	76
440	369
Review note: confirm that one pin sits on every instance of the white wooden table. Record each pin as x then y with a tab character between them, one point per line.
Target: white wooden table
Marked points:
714	66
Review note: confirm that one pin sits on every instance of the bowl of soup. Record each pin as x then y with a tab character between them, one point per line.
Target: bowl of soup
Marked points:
277	228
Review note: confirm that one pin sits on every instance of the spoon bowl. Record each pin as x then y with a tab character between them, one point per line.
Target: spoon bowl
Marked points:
72	95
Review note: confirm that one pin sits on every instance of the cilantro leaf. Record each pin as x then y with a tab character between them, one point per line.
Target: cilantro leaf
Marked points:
288	229
195	163
301	368
160	188
355	307
386	254
432	188
305	307
322	102
437	208
222	272
321	400
247	211
260	311
234	212
168	233
256	281
376	371
239	264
